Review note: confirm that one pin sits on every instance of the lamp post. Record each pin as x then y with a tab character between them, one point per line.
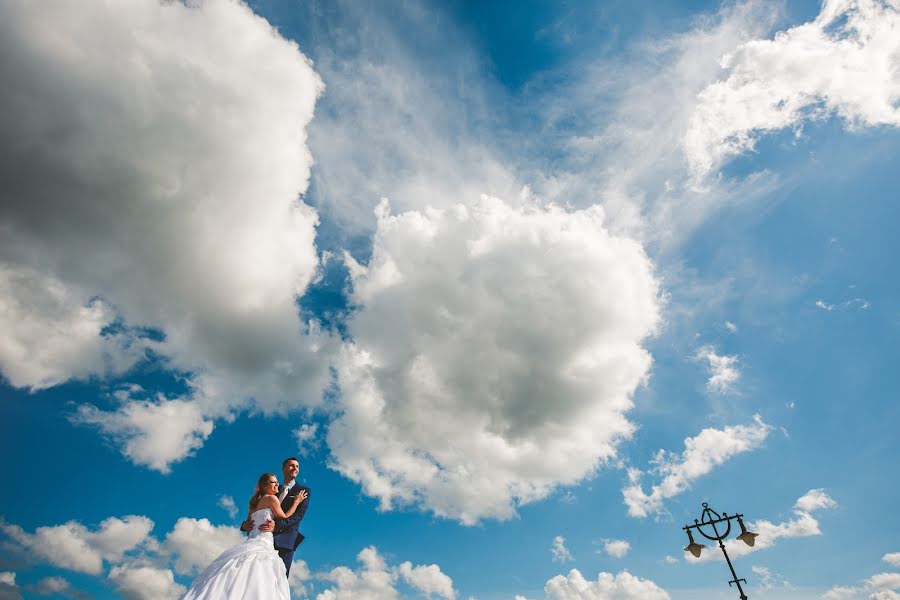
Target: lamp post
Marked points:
711	518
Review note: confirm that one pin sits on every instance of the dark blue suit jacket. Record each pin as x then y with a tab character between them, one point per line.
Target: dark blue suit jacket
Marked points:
287	536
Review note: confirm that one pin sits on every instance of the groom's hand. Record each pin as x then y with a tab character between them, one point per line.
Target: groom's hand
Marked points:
268	526
247	526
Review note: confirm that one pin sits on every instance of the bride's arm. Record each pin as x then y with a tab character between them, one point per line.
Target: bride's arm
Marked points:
273	504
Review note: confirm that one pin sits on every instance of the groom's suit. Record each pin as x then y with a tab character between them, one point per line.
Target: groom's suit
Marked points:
286	534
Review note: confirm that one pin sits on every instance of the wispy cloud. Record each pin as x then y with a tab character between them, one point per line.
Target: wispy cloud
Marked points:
723	370
616	548
859	303
559	551
227	503
702	453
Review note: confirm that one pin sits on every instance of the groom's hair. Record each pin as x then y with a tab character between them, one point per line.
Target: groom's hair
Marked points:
289	458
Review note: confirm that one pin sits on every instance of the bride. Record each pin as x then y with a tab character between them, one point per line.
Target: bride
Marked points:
251	570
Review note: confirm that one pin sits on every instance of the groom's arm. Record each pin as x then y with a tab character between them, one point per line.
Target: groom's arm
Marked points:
282	524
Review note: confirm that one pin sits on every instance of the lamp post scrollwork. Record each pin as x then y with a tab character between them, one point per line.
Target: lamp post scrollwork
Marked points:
710	519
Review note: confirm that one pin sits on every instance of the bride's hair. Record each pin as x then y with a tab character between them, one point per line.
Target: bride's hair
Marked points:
260	486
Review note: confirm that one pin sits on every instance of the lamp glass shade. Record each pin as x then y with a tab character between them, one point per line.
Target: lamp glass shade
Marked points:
693	547
748	537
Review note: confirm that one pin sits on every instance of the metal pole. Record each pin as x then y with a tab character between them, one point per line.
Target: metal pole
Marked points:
735	581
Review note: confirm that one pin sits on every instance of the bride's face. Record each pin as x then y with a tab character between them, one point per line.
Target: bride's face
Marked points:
272	486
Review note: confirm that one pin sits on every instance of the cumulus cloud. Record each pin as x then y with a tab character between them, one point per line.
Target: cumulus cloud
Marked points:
194	543
559	551
815	500
495	352
427	580
152	181
702	453
75	547
142	582
723	370
376	580
804	524
844	63
608	586
299	578
616	548
53	333
155	433
892	558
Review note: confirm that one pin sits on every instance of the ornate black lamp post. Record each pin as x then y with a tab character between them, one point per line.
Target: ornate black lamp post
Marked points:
711	518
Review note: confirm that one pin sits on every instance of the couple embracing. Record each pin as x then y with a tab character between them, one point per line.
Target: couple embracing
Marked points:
258	568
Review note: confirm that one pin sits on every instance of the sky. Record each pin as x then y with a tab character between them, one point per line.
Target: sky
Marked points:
521	284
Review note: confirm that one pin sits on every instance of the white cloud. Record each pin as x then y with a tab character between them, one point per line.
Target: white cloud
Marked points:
151	433
375	580
843	63
53	333
731	326
194	543
73	546
815	500
559	551
136	582
171	203
723	370
884	581
892	558
670	560
428	580
307	438
860	303
804	524
623	586
496	350
298	579
227	504
769	580
616	548
710	448
840	592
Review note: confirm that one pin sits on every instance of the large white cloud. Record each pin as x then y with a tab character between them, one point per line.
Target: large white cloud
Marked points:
376	580
846	62
608	586
52	334
75	547
496	349
194	543
145	582
703	452
152	172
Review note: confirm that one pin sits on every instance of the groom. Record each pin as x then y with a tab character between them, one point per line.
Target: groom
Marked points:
287	537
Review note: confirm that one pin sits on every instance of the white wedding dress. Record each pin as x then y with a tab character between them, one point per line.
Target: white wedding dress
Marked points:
249	571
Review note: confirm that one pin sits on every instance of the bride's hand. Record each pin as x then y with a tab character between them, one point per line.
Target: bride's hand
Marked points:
303	495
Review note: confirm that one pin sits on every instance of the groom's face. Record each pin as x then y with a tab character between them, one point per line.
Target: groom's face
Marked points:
290	469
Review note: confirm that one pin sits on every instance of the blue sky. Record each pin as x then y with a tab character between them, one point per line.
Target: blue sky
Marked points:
522	285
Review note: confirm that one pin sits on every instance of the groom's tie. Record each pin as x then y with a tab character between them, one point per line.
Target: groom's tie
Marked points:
282	493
